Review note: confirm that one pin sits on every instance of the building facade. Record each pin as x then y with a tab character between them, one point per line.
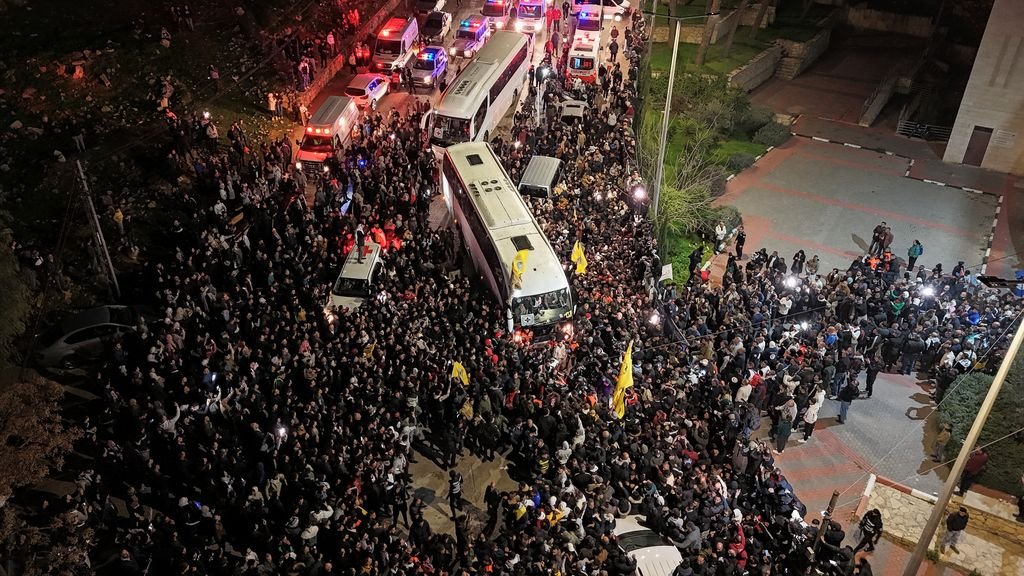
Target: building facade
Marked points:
989	128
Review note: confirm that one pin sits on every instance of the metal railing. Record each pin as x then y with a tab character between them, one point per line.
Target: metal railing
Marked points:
929	132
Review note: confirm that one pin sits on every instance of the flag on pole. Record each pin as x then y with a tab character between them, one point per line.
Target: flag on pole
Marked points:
459	371
579	258
518	267
625	380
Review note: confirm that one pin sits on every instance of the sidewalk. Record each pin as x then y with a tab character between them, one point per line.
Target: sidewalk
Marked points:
988	549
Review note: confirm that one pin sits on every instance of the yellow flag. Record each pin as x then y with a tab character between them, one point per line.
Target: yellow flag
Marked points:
579	258
459	371
518	267
368	351
625	381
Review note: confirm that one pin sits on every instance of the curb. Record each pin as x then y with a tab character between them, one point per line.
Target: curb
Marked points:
862	506
756	158
992	235
906	489
906	174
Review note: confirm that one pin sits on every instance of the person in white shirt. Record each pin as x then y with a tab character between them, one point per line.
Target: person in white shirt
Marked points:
811	414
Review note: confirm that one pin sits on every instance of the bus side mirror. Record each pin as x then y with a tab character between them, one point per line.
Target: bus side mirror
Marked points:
425	121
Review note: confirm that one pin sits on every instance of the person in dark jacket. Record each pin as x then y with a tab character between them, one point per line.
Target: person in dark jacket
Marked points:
846	397
870	529
956	523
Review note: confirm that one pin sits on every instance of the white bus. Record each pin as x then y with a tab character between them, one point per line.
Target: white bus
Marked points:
496	224
478	99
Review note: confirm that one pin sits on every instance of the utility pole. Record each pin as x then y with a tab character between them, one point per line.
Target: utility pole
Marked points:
823	525
939	509
101	244
660	168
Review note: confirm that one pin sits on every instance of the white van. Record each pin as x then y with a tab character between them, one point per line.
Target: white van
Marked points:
396	43
327	131
542	175
356	281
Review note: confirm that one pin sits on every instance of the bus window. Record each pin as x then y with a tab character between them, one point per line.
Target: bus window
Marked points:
478	120
544	308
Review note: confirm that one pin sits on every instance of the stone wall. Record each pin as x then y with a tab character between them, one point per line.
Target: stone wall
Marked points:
692	33
338	62
757	71
798	56
990	545
881	21
750	14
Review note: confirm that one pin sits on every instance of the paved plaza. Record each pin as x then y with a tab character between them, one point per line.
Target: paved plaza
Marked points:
826	199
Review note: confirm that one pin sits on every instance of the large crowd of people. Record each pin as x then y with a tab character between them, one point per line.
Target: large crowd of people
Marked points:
248	433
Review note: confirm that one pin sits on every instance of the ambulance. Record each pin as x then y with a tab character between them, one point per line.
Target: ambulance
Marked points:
584	60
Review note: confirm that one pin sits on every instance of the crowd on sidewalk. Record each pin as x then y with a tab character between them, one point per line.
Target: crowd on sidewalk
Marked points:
250	433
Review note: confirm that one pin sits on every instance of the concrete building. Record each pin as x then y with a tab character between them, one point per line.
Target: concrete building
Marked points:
989	128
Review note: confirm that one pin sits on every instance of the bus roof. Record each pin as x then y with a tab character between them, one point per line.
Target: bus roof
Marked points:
463	97
507	217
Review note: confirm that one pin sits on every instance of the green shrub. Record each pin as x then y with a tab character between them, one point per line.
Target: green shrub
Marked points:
772	134
739	162
960	407
752	120
715	176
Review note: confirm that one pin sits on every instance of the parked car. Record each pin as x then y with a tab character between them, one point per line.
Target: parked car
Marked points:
84	336
367	89
436	27
427	6
654	555
430	66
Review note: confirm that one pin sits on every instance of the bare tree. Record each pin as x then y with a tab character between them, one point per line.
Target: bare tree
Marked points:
732	29
709	30
685	202
762	11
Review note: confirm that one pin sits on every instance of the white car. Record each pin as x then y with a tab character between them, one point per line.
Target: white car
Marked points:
653	554
612	9
367	89
84	336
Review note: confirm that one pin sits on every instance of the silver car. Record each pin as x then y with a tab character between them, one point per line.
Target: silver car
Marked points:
84	336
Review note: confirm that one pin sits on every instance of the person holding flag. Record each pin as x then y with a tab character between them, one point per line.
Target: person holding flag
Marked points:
518	267
624	381
579	258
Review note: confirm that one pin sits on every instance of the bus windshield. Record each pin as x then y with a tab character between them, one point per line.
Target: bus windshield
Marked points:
542	308
448	131
389	47
526	11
